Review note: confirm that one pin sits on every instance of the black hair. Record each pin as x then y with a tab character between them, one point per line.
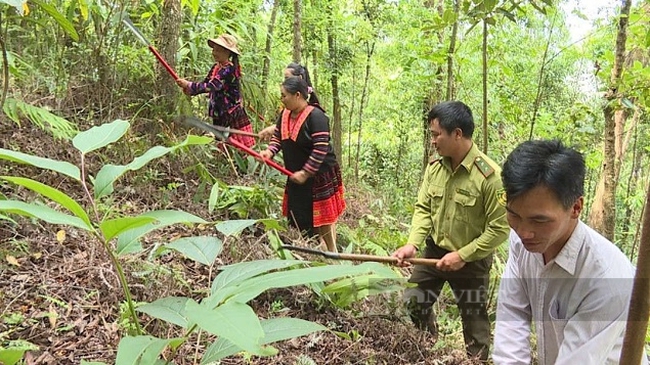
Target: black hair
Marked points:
301	71
295	84
452	115
545	163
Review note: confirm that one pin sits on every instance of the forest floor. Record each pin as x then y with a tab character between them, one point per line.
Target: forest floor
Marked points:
62	294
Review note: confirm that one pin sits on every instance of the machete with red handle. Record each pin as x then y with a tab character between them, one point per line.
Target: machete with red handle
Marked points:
129	24
359	257
198	123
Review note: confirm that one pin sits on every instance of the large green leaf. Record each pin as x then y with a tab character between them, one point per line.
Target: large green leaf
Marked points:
232	275
64	23
253	287
61	167
203	249
349	290
275	329
52	193
113	227
100	136
41	212
128	242
234	321
169	309
235	226
109	173
11	356
143	350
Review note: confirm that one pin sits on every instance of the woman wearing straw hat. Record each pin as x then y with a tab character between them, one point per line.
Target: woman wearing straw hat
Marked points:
223	87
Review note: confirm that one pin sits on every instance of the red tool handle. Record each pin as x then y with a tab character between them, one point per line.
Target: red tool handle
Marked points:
269	162
163	62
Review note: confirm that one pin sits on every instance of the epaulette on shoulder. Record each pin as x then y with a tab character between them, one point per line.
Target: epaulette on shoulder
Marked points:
485	169
432	161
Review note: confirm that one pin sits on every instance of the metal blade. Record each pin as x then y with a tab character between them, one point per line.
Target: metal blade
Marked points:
129	24
195	122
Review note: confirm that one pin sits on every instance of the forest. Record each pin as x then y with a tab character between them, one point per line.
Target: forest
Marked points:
127	237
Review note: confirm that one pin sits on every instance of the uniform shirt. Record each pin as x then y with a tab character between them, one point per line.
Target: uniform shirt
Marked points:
578	302
461	210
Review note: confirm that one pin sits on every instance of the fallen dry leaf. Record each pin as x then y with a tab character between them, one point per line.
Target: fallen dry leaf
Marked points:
60	236
12	260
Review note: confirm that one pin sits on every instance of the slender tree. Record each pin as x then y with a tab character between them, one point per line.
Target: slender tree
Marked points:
603	211
297	32
168	33
269	41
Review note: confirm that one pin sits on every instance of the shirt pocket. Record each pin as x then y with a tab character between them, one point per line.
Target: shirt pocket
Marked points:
558	320
467	209
436	194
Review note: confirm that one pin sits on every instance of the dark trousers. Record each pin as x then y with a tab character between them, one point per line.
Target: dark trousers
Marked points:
470	288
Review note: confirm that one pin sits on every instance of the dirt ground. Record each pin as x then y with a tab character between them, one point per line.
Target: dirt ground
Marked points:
63	295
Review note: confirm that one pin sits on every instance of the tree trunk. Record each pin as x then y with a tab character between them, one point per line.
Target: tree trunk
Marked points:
540	80
485	80
370	49
168	33
337	129
602	216
269	42
450	55
354	84
297	42
637	318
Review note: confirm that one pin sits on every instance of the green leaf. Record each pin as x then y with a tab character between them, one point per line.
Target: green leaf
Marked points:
233	227
100	136
113	227
349	290
18	110
128	242
275	329
253	287
53	194
234	321
41	212
11	356
234	274
203	249
61	167
64	23
214	196
627	103
109	173
170	309
142	350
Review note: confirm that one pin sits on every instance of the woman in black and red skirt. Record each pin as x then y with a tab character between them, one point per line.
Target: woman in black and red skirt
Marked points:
223	86
313	197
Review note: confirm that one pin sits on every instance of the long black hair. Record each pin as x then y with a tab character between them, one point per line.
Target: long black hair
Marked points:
301	71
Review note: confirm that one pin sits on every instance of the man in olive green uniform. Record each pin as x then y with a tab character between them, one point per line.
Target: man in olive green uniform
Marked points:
460	219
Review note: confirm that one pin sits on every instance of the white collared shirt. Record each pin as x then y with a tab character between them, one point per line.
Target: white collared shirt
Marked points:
578	303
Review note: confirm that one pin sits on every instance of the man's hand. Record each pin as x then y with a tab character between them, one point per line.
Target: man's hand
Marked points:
405	252
450	262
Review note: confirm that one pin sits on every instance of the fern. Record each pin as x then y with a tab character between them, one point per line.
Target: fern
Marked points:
43	119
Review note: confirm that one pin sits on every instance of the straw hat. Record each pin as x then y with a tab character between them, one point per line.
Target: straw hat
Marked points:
226	41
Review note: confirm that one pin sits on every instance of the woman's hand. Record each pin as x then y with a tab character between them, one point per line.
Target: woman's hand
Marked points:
265	155
266	133
300	176
185	85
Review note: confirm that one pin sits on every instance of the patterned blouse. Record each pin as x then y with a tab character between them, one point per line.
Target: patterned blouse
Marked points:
222	86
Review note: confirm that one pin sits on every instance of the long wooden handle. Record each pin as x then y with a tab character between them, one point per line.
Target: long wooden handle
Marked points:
386	259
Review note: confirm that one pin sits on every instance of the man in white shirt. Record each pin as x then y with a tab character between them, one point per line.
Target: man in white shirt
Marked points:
561	275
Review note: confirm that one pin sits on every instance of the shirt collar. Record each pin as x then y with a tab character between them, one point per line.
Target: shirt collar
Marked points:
567	257
467	162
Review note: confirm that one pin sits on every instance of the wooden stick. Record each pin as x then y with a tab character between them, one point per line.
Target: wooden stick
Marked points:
360	257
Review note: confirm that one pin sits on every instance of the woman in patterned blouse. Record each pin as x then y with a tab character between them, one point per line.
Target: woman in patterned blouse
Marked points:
223	87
